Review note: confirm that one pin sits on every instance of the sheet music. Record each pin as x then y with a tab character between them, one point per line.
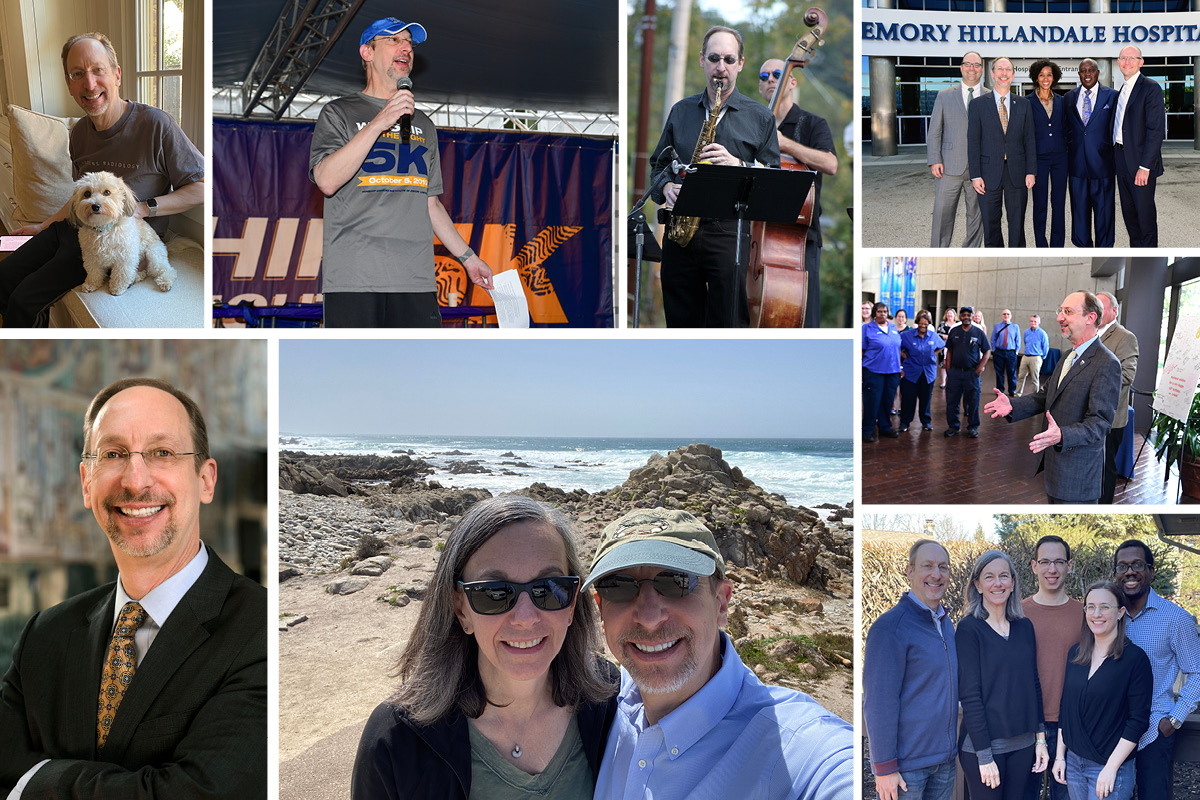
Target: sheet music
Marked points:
512	309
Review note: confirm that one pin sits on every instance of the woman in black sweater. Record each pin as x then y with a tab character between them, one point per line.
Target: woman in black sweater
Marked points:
1003	735
1105	702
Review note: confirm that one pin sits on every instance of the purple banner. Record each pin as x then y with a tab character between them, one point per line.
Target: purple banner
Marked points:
537	203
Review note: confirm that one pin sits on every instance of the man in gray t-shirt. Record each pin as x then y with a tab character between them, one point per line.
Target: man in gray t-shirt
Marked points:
138	143
382	187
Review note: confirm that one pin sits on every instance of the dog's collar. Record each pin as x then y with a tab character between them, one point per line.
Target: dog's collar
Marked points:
100	228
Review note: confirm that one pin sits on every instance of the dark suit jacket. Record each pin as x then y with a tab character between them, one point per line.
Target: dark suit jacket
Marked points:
1083	410
1090	147
1049	131
1124	345
193	723
988	144
1143	128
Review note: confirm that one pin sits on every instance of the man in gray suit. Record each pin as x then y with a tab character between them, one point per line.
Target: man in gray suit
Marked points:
946	145
1124	345
1083	393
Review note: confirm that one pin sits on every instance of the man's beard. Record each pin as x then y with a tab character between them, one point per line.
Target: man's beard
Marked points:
142	549
655	679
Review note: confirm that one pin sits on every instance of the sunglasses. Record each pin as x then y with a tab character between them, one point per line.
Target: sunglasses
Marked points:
497	597
762	76
713	58
625	588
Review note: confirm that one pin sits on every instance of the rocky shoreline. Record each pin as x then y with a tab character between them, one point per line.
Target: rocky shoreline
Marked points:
329	503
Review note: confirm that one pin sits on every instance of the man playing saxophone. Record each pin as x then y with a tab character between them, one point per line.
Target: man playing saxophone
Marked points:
701	286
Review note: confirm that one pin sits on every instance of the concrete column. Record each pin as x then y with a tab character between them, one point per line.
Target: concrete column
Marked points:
1145	285
1196	112
1099	6
882	86
995	5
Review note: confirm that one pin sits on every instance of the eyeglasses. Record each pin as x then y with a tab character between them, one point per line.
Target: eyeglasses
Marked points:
775	73
1103	608
713	58
1066	312
98	72
1137	566
972	65
115	459
625	588
1127	59
498	597
1057	562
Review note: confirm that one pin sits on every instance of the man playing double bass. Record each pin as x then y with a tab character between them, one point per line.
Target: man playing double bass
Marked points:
806	138
699	280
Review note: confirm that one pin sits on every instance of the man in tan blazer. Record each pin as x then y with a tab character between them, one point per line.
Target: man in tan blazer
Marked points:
1124	345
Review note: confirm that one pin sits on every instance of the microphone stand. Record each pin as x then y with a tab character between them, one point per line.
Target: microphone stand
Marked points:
638	217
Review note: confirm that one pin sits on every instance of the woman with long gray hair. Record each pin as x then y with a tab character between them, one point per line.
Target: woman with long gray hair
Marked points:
1003	733
503	694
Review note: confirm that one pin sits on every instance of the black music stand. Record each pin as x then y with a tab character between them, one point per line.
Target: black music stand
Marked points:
743	193
646	248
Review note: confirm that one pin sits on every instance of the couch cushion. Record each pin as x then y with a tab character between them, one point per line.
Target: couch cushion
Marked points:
41	163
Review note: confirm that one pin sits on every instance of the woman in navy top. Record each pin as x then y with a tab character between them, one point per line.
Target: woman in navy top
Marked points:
1049	128
1105	702
1003	734
917	353
880	373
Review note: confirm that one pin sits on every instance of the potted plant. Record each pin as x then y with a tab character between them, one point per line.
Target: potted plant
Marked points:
1178	442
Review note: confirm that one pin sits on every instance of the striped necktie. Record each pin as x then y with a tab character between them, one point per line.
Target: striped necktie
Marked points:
119	665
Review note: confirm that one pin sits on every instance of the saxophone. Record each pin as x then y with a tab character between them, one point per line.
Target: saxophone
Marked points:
682	229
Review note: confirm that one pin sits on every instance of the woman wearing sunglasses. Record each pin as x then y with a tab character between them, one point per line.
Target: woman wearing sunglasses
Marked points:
1105	702
502	695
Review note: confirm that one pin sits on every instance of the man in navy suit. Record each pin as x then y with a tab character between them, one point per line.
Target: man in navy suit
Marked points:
183	634
1001	156
1090	110
1138	130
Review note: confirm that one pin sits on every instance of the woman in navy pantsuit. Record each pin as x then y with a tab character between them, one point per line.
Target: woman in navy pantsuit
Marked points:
1049	127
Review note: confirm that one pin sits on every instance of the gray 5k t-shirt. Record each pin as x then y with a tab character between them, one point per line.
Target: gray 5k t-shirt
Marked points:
378	237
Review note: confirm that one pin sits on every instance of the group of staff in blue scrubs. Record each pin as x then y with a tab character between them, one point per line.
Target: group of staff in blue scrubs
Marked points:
890	358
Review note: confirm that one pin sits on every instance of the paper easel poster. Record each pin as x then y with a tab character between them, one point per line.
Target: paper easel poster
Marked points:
1177	386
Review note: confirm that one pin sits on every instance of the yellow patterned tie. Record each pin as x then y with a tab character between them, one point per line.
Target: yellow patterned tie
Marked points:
1070	360
119	665
1003	114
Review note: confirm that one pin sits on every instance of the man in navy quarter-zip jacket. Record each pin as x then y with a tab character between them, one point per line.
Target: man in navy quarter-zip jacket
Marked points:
910	685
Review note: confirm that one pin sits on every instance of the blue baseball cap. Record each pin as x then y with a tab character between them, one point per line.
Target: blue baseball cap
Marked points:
390	26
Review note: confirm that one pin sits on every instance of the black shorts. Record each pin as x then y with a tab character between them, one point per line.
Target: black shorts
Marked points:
382	310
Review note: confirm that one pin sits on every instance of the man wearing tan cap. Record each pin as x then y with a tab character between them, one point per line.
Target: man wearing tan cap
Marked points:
692	720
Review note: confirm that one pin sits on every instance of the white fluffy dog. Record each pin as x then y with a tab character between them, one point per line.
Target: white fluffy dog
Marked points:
102	208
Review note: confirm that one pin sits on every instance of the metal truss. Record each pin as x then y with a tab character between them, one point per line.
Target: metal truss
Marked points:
228	101
297	44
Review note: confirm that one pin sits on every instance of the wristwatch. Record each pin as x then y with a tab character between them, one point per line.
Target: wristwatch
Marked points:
152	205
1175	723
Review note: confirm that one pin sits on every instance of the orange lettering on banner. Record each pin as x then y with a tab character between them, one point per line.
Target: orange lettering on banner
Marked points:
496	249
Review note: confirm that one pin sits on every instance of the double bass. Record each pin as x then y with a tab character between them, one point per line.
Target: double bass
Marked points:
776	281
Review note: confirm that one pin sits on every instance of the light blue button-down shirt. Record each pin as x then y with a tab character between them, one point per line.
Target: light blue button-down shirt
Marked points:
1168	635
1037	343
1014	336
734	738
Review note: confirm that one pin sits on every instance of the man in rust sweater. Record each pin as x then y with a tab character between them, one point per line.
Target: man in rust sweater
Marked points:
1056	624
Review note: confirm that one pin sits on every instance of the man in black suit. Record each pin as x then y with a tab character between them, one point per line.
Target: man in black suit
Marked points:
1090	110
155	686
1079	400
1001	156
1138	131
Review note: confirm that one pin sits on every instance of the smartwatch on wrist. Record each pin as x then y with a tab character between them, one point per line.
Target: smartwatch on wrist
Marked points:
152	205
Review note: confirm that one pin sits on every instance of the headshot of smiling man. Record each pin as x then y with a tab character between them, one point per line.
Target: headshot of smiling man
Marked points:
133	688
692	720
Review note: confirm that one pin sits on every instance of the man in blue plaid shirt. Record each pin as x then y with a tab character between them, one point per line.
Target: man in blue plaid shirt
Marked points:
1168	635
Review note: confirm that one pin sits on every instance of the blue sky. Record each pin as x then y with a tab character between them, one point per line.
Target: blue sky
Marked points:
727	388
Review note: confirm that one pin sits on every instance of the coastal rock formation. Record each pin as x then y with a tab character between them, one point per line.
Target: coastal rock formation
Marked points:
328	474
